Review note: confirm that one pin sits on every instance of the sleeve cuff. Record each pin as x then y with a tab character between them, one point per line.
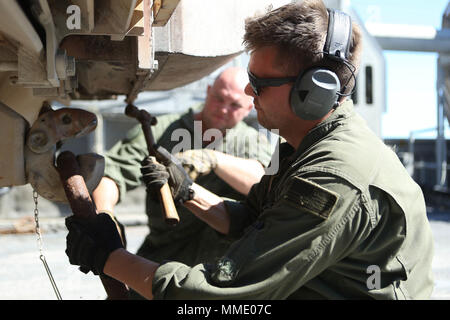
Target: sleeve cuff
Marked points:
175	275
239	217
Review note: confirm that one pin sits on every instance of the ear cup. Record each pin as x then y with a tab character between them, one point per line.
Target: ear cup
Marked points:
314	93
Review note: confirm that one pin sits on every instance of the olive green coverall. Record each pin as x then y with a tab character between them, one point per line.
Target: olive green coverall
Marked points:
342	219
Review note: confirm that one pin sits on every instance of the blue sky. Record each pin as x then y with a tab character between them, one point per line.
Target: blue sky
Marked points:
411	76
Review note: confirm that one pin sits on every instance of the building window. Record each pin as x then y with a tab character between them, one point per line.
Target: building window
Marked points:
355	92
369	85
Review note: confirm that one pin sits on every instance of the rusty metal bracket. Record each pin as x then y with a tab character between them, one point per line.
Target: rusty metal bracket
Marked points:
49	129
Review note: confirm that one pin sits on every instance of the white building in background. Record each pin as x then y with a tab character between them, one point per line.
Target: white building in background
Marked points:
370	92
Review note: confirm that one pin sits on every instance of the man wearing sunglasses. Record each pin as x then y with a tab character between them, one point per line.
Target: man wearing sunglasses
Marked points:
341	219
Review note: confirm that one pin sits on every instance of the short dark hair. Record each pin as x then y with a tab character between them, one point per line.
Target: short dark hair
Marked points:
298	30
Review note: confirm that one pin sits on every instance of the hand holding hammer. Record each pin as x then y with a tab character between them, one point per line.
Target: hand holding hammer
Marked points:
146	120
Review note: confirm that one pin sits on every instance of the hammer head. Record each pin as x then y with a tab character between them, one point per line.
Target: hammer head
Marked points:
141	115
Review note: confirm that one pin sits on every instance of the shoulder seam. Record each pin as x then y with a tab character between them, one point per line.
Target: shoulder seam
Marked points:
330	235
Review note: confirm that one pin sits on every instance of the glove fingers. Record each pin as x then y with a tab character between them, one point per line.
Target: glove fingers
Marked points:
152	167
89	242
154	174
84	269
122	230
71	222
77	244
72	236
147	161
151	163
82	251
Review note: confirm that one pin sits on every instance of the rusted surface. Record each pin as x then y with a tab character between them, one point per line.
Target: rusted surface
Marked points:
146	121
59	125
83	207
51	128
99	48
74	186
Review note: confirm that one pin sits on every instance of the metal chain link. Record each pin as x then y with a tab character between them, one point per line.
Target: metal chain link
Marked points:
40	246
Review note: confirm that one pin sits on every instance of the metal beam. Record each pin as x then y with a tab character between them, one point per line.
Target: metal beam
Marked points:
410	37
424	39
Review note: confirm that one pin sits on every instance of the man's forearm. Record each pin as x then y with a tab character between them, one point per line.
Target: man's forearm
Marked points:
209	208
241	174
106	195
132	270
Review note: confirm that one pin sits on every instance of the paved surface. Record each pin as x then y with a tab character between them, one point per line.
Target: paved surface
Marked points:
23	277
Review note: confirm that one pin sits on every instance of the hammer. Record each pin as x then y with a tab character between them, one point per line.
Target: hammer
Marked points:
146	120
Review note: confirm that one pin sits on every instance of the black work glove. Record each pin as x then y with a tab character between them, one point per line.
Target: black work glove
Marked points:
90	242
119	225
155	175
122	231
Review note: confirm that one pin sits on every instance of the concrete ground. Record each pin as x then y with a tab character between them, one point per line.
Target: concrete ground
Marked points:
22	273
23	277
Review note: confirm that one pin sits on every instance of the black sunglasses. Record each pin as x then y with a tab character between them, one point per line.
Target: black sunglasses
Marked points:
258	83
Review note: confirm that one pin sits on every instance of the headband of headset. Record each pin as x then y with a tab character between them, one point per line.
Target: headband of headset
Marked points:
337	43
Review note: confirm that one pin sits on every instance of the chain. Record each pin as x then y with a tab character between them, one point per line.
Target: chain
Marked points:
39	240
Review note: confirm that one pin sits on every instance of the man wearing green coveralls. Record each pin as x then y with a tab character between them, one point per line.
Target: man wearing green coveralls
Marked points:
341	219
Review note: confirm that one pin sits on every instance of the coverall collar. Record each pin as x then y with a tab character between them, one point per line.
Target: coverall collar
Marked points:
345	110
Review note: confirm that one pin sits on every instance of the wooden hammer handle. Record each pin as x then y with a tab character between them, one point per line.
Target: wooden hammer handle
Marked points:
83	207
168	206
